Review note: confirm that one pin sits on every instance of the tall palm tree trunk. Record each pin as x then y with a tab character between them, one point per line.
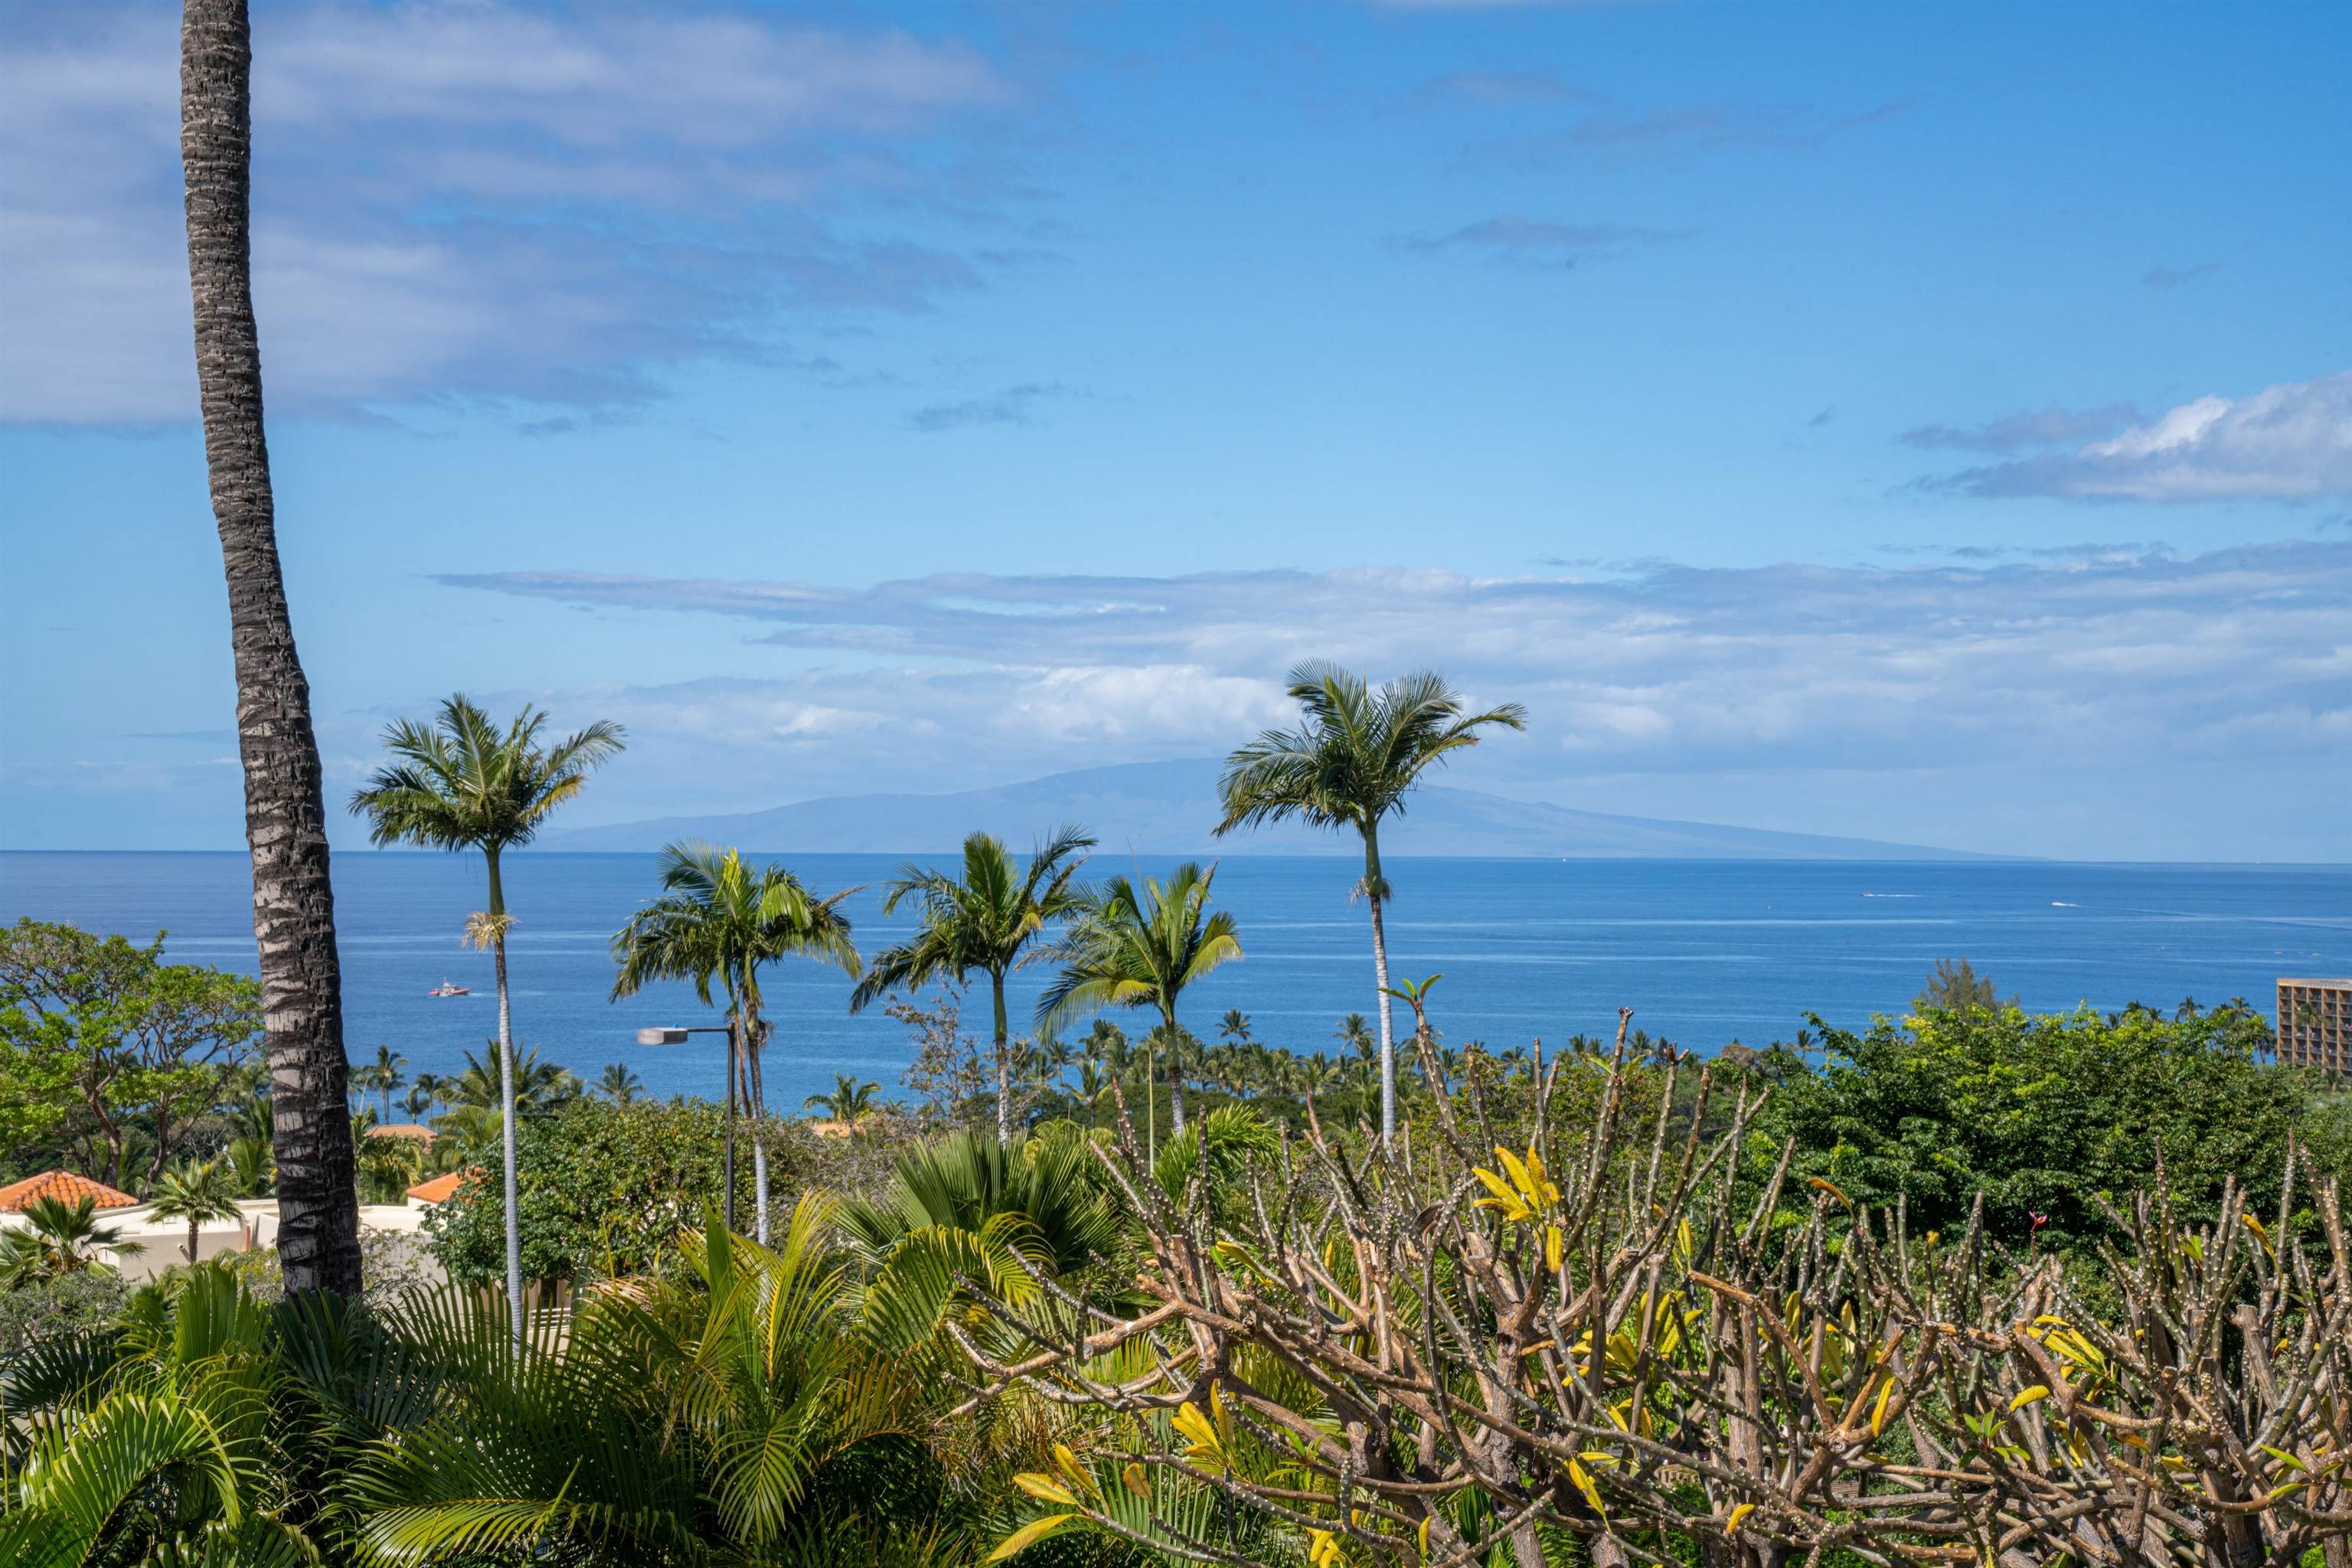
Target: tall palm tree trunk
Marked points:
508	1189
1175	1078
285	816
1003	1066
1374	888
755	1096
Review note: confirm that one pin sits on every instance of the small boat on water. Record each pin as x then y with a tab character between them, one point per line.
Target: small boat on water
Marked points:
445	989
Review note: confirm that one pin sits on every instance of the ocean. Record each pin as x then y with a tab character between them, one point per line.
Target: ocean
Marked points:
1703	952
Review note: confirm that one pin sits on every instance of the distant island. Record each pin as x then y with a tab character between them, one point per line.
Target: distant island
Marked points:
1167	809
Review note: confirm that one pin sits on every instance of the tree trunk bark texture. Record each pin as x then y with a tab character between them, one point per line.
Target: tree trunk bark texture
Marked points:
755	1040
1004	1067
1388	1034
509	1189
285	811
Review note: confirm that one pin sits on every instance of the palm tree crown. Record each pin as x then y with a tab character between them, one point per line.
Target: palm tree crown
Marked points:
719	920
1137	944
1353	761
58	1236
193	1193
461	782
850	1102
984	920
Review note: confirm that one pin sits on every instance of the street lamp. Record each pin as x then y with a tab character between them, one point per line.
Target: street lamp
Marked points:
672	1035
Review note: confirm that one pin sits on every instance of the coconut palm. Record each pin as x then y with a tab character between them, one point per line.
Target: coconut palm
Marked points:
193	1192
421	1097
720	920
986	922
850	1103
620	1083
461	782
58	1238
537	1085
1137	944
1350	765
285	809
382	1075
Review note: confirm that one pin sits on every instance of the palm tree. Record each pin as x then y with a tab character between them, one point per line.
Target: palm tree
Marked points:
60	1237
620	1084
421	1097
461	783
1179	1052
285	809
382	1075
850	1103
985	921
537	1085
1138	945
1353	761
196	1193
720	921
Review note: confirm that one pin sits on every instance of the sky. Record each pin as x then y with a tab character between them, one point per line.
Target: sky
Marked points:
1927	423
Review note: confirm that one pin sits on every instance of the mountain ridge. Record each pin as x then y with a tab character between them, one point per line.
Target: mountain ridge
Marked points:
1168	807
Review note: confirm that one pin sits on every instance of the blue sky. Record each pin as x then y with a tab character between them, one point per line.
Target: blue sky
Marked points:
1928	423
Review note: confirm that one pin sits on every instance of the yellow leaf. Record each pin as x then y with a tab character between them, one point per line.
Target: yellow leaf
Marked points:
1137	1480
1504	1197
1878	1411
1538	1186
1825	1186
1551	1248
1079	1477
1584	1480
1195	1426
1424	1538
1045	1489
1029	1534
2026	1396
1731	1525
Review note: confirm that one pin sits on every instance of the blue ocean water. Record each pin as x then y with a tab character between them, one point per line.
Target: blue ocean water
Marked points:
1705	952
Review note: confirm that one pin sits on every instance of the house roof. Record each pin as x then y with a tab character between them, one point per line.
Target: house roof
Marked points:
416	1130
440	1189
65	1186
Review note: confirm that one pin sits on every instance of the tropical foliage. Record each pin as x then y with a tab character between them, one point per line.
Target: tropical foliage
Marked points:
718	922
111	1059
1351	764
605	1186
1140	944
985	920
462	782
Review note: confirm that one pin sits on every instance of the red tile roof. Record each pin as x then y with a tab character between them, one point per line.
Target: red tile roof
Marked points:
416	1130
440	1189
63	1185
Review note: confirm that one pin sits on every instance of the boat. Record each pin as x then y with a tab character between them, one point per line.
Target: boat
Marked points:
445	989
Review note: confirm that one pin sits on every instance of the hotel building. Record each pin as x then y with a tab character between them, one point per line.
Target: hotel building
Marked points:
2314	1024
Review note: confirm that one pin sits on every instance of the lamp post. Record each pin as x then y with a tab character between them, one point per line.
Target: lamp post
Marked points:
675	1035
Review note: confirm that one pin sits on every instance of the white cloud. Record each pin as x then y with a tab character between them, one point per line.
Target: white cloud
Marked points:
2290	442
2145	661
480	200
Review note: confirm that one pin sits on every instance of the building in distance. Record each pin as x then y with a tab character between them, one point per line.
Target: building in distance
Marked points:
2314	1025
